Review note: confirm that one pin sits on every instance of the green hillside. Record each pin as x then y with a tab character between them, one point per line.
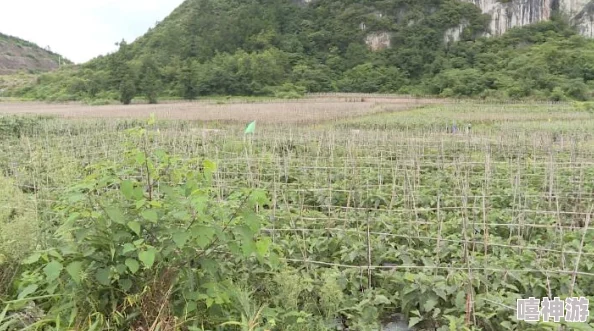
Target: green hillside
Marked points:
284	47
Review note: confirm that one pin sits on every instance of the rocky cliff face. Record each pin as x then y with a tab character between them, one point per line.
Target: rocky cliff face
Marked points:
583	16
508	14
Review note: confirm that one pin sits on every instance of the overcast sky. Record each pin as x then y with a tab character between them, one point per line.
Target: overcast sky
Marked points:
81	29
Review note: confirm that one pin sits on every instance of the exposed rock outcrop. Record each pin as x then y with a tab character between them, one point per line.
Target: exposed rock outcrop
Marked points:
378	40
509	14
453	34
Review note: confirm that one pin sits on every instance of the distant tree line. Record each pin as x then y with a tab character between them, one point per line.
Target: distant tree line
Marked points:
281	48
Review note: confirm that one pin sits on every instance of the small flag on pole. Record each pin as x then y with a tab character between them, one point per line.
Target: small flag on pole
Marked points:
251	127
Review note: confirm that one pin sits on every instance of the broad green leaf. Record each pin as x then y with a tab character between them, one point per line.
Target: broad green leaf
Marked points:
252	220
121	269
125	284
147	257
138	194
273	260
234	248
410	277
150	215
76	197
381	299
460	300
180	239
259	197
128	247
209	166
26	291
73	217
122	236
102	276
245	231
248	245
140	157
127	189
134	226
74	269
204	235
440	292
133	265
506	325
430	304
140	203
414	321
52	271
32	258
262	246
181	215
200	203
115	214
190	307
56	254
156	204
209	266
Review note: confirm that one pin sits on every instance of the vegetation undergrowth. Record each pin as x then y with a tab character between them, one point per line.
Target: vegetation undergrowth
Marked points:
400	222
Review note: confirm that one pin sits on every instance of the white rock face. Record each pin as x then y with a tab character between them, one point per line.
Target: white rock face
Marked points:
453	34
378	40
505	16
581	13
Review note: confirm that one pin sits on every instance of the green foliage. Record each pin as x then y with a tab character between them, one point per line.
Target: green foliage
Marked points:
19	229
369	79
20	232
150	219
18	126
149	79
150	232
208	47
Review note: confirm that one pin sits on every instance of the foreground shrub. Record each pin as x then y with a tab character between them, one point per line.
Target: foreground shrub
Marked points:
19	231
144	240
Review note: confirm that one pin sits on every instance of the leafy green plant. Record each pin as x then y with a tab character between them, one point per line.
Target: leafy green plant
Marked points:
144	240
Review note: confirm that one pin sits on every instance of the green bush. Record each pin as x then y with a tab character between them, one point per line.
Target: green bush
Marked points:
19	232
19	229
144	239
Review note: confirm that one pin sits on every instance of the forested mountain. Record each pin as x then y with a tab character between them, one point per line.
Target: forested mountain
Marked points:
20	55
268	47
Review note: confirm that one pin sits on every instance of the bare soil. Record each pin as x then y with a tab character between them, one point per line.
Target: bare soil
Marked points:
294	111
19	55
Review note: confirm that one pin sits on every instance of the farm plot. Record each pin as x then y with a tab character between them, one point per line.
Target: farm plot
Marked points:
386	218
298	111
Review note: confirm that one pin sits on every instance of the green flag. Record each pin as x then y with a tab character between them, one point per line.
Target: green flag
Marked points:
251	127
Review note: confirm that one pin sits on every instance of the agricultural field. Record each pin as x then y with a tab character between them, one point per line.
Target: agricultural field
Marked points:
313	109
337	213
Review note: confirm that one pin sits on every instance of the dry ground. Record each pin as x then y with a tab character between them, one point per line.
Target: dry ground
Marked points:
293	111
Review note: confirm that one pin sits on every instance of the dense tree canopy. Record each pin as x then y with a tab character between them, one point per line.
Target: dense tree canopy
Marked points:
265	47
